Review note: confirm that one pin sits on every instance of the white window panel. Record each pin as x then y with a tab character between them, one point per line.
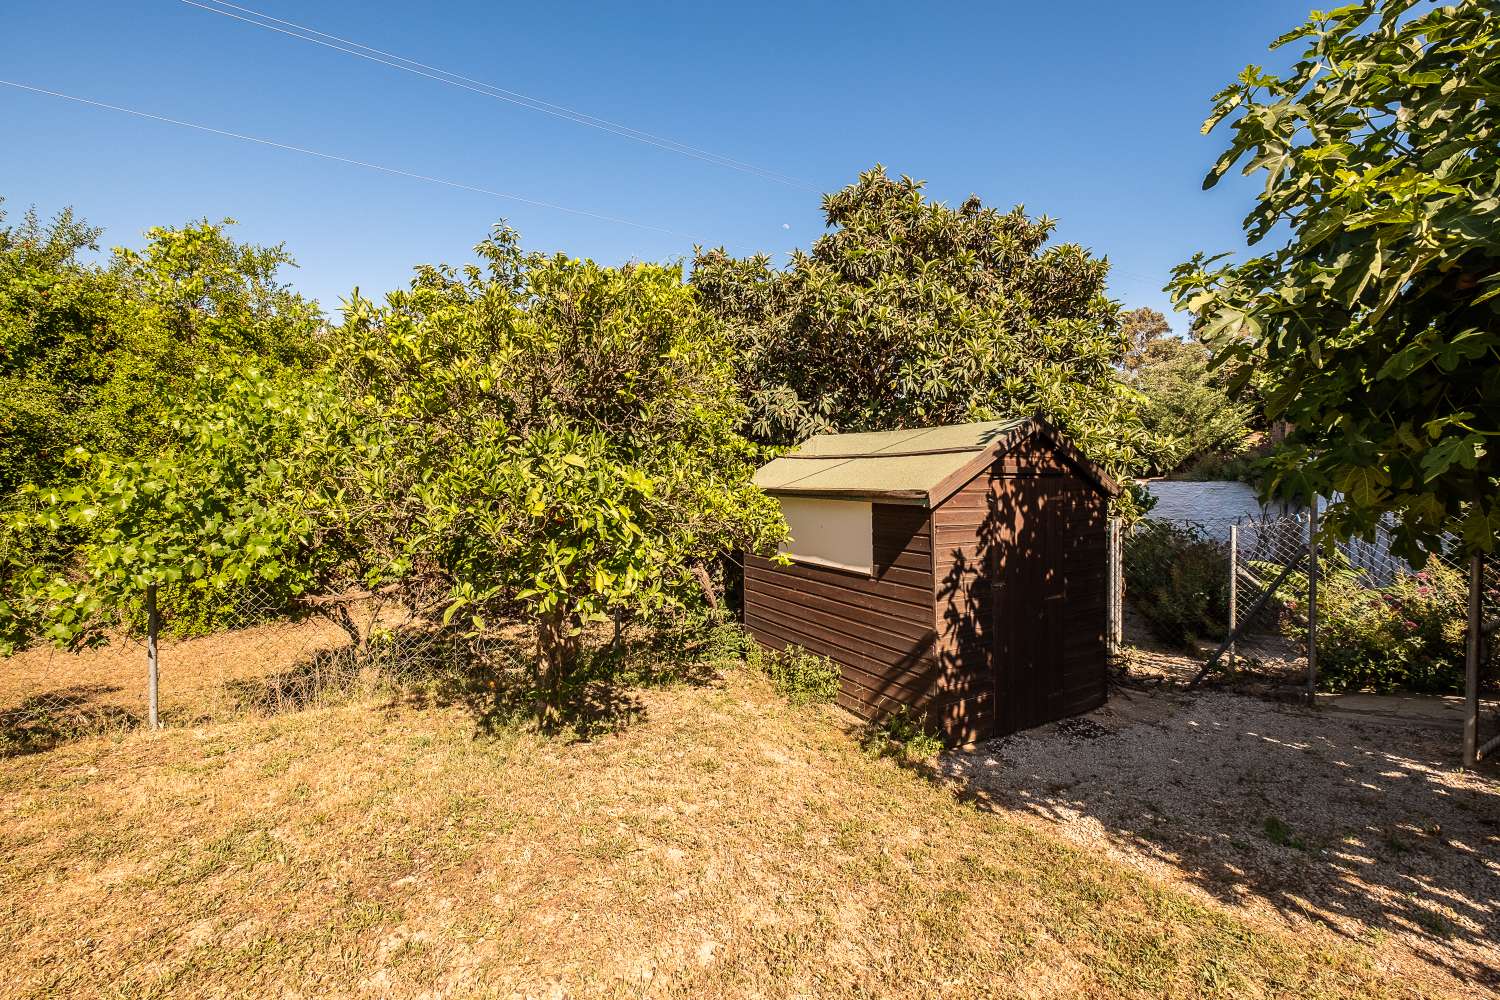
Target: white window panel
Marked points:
835	533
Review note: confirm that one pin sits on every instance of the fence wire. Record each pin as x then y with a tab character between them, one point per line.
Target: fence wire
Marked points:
251	655
1268	558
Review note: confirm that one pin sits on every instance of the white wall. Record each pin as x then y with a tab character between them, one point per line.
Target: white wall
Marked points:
836	533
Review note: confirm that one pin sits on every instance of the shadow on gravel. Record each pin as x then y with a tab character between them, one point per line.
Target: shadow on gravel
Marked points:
1363	825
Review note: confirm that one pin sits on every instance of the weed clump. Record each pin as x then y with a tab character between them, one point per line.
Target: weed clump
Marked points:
902	734
800	677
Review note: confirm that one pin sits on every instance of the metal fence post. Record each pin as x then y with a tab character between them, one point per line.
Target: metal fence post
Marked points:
153	624
1117	630
1472	650
1234	586
1312	602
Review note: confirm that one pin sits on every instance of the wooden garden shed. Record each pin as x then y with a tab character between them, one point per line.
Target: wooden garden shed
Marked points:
959	571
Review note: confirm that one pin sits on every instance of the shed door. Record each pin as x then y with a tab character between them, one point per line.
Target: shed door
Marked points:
1050	652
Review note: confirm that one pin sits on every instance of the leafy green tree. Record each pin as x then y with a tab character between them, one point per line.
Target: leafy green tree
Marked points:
96	357
910	313
1185	405
1374	327
536	438
95	360
192	298
219	509
1142	328
55	334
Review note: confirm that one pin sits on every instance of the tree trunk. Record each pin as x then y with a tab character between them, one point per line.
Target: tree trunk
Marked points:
706	584
557	644
344	620
619	618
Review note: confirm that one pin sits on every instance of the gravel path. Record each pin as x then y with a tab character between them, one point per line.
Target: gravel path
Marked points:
1364	825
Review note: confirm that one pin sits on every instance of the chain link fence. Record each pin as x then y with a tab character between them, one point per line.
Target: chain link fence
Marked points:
1291	604
1268	562
250	656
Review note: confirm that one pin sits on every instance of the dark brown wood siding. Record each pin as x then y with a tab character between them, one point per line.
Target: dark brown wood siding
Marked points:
984	615
1020	576
879	628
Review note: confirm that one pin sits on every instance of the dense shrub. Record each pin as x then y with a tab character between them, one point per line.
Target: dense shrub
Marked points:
1409	635
537	439
1178	579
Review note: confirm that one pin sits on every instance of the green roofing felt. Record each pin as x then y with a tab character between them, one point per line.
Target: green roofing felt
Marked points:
902	464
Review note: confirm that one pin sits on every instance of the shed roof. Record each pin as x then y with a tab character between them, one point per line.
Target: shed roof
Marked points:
922	466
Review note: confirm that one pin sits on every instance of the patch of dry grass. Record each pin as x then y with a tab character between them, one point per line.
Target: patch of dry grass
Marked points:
725	844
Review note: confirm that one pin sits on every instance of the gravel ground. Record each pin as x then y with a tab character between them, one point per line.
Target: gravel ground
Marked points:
1363	825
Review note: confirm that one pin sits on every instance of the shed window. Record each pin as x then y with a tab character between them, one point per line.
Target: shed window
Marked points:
834	533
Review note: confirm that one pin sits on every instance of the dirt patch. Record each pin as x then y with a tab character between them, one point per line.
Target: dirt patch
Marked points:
1310	818
1265	661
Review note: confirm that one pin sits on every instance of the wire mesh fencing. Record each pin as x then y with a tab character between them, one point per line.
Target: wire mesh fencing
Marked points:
251	654
1298	614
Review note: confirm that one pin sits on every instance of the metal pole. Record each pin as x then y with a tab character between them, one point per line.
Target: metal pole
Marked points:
1312	602
1472	648
1234	586
1116	585
153	623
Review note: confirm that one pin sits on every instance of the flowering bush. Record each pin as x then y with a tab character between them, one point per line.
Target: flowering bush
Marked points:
1409	635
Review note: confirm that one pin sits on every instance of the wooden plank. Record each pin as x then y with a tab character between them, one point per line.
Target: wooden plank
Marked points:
919	669
918	591
803	620
889	545
897	637
849	603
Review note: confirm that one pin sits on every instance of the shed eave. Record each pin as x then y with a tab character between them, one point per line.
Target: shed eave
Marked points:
908	498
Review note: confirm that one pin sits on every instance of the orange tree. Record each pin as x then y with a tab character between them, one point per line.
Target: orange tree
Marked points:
1374	325
534	438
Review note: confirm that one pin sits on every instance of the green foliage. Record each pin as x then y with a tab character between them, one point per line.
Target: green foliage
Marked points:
909	313
799	676
202	520
195	298
1375	327
538	437
94	362
96	357
903	734
1185	406
1178	579
1407	636
54	337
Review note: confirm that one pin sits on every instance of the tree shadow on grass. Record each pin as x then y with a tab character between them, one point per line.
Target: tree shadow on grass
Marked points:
492	677
321	678
51	718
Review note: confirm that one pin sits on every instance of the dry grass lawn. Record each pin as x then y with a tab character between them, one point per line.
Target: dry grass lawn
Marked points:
724	844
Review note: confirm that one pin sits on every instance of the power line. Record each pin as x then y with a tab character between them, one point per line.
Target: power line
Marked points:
350	160
406	65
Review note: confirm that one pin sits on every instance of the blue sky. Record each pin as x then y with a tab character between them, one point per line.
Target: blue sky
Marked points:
1087	112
